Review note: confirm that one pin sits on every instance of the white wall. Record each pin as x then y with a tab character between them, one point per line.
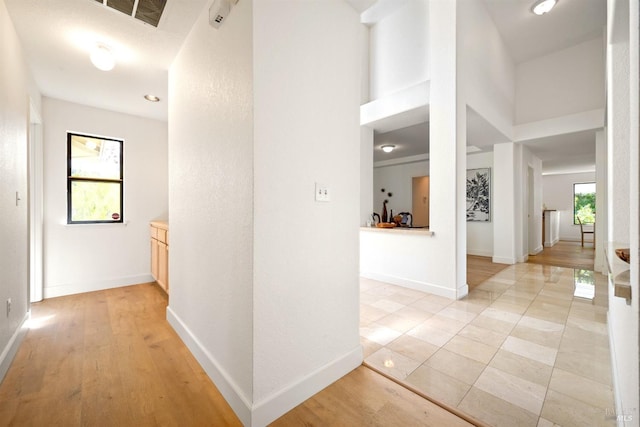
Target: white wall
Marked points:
305	253
264	280
87	257
396	64
558	194
486	73
480	234
622	180
576	83
16	87
211	201
396	179
531	239
402	257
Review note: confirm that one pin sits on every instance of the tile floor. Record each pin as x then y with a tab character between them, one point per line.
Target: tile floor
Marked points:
520	350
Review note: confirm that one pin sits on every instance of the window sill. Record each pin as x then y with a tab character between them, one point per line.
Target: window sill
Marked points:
98	224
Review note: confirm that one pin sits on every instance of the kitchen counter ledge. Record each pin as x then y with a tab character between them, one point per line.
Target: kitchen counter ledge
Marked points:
400	230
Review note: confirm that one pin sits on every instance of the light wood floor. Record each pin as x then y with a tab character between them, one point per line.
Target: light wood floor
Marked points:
566	254
480	268
109	358
365	398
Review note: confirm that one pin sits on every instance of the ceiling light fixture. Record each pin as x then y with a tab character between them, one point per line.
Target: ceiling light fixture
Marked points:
151	98
388	148
543	6
102	57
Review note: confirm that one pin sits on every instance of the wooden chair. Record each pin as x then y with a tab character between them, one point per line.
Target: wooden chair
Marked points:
584	230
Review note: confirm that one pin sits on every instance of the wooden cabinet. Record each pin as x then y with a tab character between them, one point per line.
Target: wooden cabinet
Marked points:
160	253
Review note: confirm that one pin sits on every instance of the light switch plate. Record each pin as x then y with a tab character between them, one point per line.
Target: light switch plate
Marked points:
322	193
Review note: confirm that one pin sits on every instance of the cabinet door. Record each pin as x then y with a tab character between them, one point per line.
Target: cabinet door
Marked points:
154	258
163	266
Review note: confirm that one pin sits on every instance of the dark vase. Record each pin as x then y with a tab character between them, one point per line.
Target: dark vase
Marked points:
384	211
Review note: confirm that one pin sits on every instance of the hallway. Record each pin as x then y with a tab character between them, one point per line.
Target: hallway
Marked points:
566	254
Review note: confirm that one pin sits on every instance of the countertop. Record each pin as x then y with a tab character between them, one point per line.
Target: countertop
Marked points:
618	268
400	230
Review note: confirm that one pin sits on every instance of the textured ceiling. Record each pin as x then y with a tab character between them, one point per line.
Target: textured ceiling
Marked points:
57	50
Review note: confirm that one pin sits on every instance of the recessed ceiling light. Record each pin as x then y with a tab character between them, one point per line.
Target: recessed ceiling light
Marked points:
102	57
543	6
388	148
151	98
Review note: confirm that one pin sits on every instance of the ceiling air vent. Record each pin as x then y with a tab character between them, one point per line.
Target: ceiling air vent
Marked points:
148	11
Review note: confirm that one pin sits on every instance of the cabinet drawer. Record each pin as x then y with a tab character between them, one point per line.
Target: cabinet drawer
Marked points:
153	231
162	235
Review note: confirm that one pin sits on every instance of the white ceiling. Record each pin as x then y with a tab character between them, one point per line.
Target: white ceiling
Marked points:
529	36
57	36
57	50
568	153
409	141
414	140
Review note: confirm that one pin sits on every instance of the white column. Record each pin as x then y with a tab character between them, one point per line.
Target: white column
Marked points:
504	203
618	141
622	138
366	174
600	263
447	146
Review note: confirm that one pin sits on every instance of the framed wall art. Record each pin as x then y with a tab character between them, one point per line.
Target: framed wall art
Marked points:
479	195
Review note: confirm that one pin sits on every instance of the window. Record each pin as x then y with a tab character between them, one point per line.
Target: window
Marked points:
94	179
584	202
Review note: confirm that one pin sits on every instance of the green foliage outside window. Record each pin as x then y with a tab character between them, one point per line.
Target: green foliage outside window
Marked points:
94	201
584	202
95	179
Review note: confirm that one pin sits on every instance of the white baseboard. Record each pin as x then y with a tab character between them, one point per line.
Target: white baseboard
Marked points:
614	370
10	350
479	252
462	291
234	396
99	285
280	402
537	250
503	260
412	284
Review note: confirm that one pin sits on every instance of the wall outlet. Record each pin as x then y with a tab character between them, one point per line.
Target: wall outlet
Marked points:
322	193
8	306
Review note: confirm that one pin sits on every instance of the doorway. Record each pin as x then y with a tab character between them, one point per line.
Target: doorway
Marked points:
420	201
531	213
35	205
